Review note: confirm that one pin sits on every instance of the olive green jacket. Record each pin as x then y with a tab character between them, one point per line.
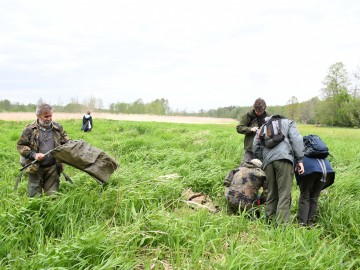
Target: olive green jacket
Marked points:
248	121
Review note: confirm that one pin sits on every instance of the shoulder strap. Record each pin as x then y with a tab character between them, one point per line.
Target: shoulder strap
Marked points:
323	168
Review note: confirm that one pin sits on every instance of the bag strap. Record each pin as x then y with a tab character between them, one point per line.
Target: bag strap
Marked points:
323	168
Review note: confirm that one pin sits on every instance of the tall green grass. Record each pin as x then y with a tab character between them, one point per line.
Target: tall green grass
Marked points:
139	220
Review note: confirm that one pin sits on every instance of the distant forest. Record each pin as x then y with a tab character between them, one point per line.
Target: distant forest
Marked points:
339	105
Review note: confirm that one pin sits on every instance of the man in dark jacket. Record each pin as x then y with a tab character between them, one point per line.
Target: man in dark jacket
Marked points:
37	139
249	124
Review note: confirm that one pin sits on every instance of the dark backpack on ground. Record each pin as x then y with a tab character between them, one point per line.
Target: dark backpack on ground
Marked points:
315	147
270	132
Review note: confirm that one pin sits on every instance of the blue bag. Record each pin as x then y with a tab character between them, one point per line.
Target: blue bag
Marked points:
315	147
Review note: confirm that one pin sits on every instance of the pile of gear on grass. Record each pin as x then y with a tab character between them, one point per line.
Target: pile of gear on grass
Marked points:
245	190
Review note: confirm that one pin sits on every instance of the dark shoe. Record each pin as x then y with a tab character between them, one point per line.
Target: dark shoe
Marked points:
311	223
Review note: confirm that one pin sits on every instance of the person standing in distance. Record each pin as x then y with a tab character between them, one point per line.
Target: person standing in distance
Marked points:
87	122
249	124
38	138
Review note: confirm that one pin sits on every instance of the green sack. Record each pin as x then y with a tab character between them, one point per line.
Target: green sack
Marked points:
83	156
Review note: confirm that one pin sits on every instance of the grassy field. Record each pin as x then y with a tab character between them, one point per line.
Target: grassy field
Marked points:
139	220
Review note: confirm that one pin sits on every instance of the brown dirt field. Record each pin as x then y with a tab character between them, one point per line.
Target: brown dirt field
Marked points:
125	117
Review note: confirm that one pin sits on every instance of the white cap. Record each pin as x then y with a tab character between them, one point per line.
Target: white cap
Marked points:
256	162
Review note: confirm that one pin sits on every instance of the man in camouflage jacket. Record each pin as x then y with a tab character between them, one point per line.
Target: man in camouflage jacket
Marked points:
242	193
39	138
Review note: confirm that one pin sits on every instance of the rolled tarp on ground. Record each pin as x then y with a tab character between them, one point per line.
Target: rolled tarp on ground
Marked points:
83	156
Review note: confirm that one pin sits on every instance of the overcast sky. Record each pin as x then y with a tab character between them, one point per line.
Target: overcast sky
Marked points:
197	54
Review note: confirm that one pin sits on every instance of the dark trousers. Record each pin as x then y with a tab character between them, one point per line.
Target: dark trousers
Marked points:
45	179
310	188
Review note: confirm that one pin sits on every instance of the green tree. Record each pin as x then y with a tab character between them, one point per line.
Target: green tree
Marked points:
307	110
336	97
158	106
292	108
355	112
336	82
137	107
355	91
5	105
74	106
119	107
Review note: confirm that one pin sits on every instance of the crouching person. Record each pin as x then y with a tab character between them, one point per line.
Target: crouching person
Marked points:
242	193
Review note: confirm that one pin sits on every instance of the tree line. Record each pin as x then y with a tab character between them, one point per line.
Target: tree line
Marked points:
338	104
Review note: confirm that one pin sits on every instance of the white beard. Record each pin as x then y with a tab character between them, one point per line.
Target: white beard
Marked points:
45	124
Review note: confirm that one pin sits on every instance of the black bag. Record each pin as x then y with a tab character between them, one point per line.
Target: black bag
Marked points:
270	132
315	147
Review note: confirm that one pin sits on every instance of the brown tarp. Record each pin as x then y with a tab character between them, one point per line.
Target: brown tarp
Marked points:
83	156
199	200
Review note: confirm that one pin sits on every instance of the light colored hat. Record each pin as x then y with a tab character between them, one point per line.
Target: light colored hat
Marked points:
256	162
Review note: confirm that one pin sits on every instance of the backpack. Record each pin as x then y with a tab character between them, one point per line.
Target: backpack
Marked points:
270	132
315	147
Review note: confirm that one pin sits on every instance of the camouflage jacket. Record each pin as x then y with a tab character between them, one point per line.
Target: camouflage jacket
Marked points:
245	186
28	143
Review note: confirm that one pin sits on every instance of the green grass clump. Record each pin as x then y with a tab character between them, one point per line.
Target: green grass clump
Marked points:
140	220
